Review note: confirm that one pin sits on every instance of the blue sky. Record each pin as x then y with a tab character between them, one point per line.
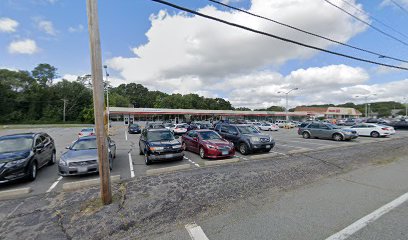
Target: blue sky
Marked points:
58	29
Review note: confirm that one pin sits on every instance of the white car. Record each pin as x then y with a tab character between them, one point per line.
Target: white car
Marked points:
373	130
280	123
179	128
85	132
268	127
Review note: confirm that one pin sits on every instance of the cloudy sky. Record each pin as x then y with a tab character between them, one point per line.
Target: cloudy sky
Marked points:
168	50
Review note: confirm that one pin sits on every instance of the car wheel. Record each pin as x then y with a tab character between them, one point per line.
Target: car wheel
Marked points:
306	135
375	134
337	137
243	149
202	153
147	161
183	146
32	172
53	159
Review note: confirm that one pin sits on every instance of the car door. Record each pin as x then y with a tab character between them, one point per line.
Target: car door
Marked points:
233	134
142	140
187	138
112	146
48	147
195	142
224	132
325	131
314	129
39	150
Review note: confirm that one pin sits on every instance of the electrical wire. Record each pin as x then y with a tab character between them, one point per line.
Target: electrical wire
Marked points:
366	23
400	6
310	33
375	19
275	36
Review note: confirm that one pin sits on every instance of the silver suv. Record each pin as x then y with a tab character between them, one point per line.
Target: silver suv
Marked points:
326	131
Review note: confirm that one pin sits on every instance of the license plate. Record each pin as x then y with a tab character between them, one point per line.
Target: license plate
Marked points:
268	146
224	152
82	169
169	155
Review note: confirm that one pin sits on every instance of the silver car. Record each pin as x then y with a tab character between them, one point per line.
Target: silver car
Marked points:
327	131
82	157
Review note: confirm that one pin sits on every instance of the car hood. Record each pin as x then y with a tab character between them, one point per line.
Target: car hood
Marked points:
218	142
80	155
257	135
11	156
164	143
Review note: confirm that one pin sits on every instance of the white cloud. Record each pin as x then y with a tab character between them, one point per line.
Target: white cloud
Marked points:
8	25
47	27
27	46
186	53
403	3
79	28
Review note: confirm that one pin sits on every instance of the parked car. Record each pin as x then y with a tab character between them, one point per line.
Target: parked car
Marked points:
205	125
155	126
341	122
280	123
373	130
401	124
21	155
208	144
269	127
85	132
159	145
245	137
179	129
350	122
134	128
82	157
327	131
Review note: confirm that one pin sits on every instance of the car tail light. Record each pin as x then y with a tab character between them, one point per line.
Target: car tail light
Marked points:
80	133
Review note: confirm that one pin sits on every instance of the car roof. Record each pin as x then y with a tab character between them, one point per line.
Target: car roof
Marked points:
157	129
19	135
204	130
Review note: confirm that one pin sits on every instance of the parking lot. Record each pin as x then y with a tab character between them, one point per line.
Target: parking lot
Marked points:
129	164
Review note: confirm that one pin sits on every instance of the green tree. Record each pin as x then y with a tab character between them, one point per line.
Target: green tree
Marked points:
44	74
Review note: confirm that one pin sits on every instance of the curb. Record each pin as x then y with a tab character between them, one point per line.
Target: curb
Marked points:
302	150
86	183
216	162
167	169
9	194
263	156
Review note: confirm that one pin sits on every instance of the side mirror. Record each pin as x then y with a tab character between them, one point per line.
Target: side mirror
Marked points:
39	146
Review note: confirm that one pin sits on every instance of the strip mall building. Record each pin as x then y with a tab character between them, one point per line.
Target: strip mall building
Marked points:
330	112
130	115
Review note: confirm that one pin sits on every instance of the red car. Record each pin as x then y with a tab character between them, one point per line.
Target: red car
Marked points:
207	143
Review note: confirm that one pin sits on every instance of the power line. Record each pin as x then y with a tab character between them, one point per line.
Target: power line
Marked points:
376	19
366	23
275	36
309	33
400	6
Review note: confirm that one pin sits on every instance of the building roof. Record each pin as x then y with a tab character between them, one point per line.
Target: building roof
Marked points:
152	111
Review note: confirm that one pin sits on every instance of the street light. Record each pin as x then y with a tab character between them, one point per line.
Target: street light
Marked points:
107	93
366	103
286	95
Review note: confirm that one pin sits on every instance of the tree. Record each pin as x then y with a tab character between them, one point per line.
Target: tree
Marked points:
242	109
44	74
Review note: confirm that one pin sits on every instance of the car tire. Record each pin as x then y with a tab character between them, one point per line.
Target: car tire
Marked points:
337	137
202	153
375	134
32	171
53	159
243	149
147	161
306	135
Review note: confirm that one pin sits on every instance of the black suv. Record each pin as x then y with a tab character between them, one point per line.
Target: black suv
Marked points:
246	138
159	145
21	155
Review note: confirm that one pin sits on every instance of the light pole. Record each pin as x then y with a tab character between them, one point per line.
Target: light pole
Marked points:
366	102
287	104
107	93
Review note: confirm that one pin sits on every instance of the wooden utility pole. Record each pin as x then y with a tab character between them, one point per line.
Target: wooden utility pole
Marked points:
98	100
65	102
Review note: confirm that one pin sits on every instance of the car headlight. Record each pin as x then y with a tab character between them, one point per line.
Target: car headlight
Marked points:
16	162
255	139
156	148
62	162
211	146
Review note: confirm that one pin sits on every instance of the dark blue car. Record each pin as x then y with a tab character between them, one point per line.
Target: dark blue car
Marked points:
21	155
134	128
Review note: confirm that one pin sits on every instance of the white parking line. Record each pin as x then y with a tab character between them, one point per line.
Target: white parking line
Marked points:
126	135
306	142
363	222
290	146
54	184
196	232
132	173
191	161
15	209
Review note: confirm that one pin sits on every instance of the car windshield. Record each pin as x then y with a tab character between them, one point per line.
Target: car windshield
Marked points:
247	129
84	144
333	126
210	135
15	144
87	130
160	136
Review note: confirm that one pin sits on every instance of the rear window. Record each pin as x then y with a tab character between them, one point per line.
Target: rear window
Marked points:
87	130
84	144
160	136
